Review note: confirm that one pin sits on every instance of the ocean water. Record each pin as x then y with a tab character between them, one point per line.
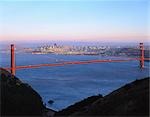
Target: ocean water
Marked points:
68	84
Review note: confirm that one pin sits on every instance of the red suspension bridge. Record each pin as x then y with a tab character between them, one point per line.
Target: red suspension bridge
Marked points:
13	67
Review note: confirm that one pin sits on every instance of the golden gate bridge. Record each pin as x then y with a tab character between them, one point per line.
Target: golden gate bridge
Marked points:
13	66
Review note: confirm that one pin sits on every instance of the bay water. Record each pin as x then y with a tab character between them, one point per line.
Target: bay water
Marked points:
68	84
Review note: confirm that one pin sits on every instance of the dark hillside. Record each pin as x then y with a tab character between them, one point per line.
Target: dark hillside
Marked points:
18	98
129	100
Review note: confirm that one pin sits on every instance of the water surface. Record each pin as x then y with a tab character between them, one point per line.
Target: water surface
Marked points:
69	84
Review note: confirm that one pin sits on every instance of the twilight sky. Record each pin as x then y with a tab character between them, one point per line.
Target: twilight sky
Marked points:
80	20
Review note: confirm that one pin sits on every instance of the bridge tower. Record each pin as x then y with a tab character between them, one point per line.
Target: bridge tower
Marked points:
13	69
141	55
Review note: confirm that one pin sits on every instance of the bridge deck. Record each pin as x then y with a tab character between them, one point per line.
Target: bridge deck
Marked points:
71	63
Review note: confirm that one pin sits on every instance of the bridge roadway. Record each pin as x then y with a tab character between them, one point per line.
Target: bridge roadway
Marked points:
74	62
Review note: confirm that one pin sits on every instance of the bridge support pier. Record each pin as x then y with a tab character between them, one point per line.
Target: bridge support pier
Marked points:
141	55
13	69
